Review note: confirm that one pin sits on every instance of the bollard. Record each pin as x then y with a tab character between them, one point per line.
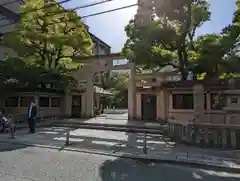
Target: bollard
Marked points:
202	153
67	136
145	143
12	131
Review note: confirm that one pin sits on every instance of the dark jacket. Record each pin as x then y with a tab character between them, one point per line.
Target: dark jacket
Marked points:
33	112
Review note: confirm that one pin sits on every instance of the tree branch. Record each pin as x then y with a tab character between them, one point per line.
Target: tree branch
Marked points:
191	36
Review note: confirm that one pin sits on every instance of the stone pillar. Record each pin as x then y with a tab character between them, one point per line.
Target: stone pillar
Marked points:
83	105
215	137
161	106
67	104
139	106
98	101
198	98
224	138
233	139
132	93
89	92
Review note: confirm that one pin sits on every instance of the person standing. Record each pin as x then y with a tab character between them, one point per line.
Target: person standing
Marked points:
32	114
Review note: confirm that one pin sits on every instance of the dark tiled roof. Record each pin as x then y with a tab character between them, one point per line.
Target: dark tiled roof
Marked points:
94	37
218	83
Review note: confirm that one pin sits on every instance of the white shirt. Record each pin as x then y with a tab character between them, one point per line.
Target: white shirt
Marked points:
30	110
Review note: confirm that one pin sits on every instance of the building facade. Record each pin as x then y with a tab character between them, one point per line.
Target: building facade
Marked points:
9	16
78	102
197	112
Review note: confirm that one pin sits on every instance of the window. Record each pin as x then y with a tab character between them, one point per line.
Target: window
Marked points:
234	100
217	101
11	102
25	101
182	101
44	102
55	102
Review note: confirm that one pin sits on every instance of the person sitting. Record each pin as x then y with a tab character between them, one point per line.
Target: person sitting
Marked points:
2	120
10	124
6	123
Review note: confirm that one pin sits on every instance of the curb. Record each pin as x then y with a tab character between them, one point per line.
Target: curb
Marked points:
133	157
38	125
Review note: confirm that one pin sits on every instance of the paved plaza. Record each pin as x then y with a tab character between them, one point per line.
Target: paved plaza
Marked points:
20	163
121	143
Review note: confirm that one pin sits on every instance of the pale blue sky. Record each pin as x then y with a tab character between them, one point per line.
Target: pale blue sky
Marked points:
110	27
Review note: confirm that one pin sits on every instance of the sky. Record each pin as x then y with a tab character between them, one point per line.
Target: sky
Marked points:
110	26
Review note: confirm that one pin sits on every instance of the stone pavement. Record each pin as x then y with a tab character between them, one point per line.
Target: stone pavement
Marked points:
111	119
123	145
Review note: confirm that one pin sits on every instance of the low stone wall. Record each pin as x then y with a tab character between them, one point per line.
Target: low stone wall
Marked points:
17	108
20	114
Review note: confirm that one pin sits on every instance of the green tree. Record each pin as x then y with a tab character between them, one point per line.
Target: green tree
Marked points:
210	57
167	39
14	71
232	37
117	83
44	38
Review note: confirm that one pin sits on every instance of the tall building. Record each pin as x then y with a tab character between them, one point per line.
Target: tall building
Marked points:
9	14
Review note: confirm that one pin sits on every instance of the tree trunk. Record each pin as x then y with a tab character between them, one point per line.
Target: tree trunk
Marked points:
182	66
184	75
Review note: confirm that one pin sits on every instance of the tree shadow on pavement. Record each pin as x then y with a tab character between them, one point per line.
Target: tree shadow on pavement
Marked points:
6	146
126	169
139	170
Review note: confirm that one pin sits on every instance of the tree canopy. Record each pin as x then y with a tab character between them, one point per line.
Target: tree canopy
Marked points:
45	39
164	33
117	83
168	38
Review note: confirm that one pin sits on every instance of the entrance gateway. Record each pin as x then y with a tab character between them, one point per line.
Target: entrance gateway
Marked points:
148	109
76	105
